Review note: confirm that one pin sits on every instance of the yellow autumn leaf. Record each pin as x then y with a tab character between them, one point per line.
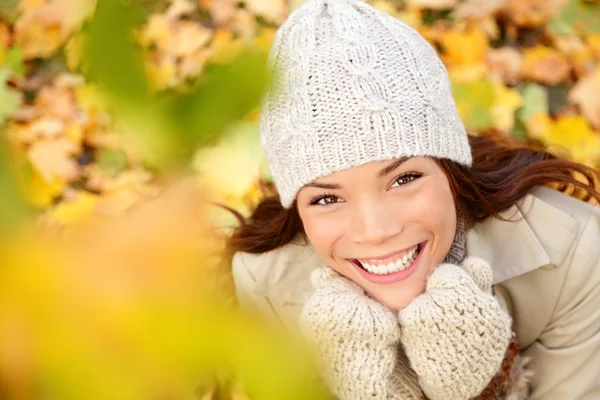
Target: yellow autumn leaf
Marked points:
53	159
464	54
575	134
538	125
506	102
432	4
593	42
39	192
271	10
80	207
545	65
241	162
224	47
45	26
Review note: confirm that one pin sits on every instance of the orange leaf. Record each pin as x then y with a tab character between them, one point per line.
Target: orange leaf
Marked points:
545	65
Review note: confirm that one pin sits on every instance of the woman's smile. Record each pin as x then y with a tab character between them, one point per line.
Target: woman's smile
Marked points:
392	269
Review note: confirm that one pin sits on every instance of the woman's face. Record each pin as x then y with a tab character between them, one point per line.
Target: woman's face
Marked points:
385	225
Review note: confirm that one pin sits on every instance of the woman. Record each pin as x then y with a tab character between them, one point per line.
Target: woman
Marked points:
440	264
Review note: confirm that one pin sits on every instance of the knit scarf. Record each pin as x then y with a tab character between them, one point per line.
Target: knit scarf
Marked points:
458	249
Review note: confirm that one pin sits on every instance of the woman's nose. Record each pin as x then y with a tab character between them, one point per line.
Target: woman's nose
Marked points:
374	223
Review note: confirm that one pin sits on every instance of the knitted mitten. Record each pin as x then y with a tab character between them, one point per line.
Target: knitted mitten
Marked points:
456	334
357	341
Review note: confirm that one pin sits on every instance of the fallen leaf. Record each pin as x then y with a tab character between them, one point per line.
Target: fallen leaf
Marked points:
582	16
577	53
76	209
5	36
504	64
506	102
586	94
221	11
593	42
538	124
476	9
574	134
432	4
271	10
531	13
45	26
10	99
53	159
464	53
474	101
535	102
180	8
545	65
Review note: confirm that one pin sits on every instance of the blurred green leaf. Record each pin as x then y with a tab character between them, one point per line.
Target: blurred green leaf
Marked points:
8	10
225	95
10	99
12	205
14	60
111	57
112	161
474	101
580	15
535	101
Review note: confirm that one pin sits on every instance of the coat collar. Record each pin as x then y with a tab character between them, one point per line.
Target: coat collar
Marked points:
533	234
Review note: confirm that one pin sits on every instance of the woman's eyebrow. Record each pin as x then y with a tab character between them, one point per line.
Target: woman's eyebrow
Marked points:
386	170
323	185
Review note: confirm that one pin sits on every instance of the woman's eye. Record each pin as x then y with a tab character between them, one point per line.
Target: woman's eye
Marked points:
324	200
406	178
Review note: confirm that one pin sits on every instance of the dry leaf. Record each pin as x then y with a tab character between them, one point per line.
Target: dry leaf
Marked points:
221	11
432	4
477	9
574	134
586	94
531	13
5	36
506	102
545	65
464	53
504	64
53	159
274	11
45	26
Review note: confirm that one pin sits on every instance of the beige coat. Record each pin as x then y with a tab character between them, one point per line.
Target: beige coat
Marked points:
546	274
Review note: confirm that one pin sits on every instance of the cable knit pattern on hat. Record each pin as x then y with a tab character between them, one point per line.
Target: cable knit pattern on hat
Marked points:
456	334
352	85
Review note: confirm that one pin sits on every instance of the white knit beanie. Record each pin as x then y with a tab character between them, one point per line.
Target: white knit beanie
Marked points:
352	85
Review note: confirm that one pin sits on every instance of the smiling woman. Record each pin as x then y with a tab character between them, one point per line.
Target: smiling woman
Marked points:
422	262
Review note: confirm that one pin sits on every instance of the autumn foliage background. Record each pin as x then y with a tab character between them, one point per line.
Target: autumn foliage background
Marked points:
130	127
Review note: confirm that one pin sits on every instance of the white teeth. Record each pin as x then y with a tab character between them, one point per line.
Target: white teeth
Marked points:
396	266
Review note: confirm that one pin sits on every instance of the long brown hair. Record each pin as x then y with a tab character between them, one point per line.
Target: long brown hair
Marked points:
503	171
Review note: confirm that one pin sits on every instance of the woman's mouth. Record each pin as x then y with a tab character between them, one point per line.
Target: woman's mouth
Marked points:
392	268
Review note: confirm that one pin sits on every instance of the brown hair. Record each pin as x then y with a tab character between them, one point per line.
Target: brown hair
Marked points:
504	170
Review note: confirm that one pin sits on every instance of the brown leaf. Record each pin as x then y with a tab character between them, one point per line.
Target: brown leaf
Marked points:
477	9
504	64
545	65
531	13
586	94
432	4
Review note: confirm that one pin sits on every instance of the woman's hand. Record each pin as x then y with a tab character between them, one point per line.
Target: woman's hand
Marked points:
456	334
357	339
